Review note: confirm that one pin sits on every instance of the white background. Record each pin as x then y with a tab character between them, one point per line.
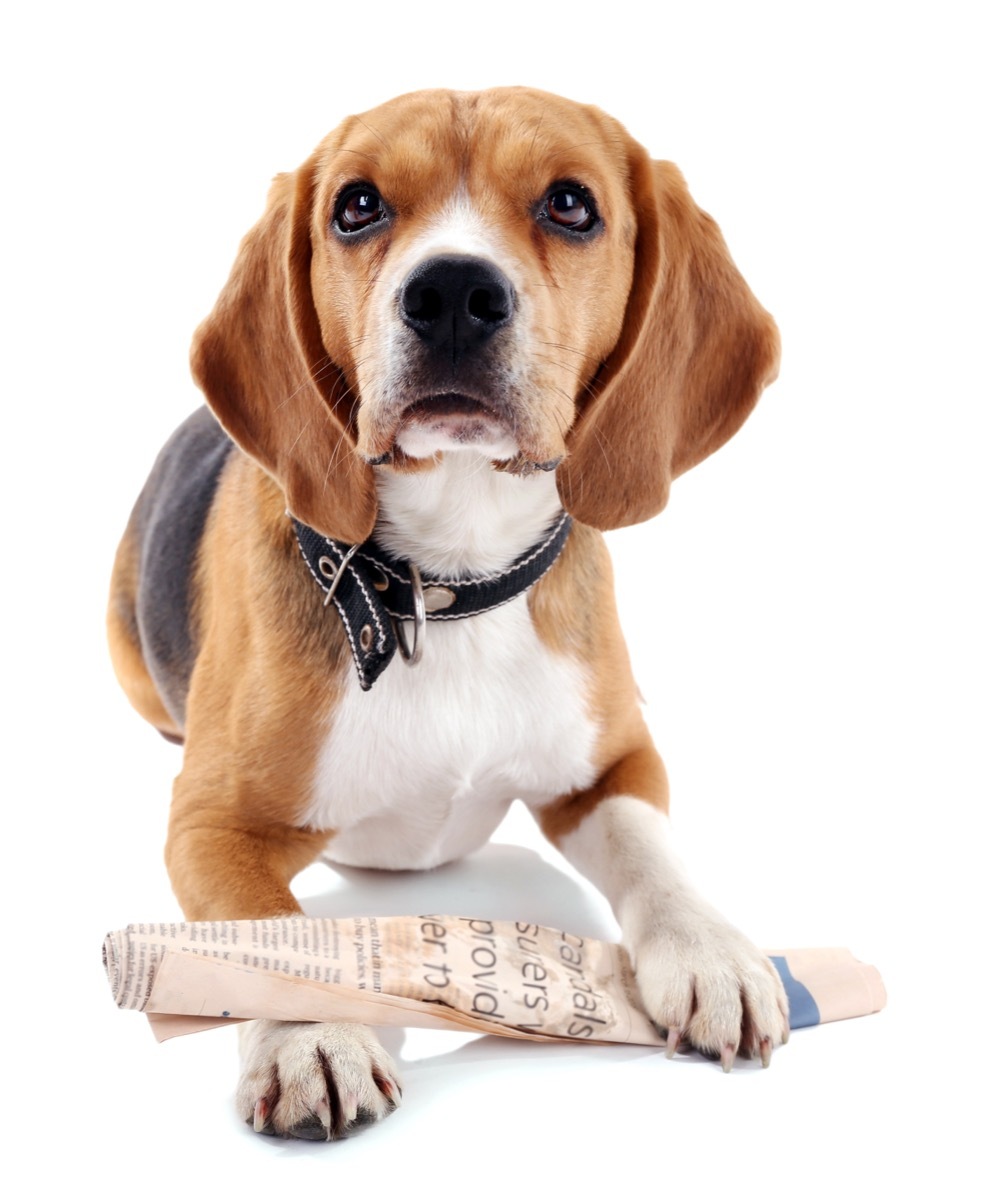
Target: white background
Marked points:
824	672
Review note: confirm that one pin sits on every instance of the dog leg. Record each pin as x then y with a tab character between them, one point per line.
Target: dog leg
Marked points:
700	978
317	1081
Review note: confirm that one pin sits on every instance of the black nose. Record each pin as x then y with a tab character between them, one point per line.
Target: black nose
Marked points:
455	301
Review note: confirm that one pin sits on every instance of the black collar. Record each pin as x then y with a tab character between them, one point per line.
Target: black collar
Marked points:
374	593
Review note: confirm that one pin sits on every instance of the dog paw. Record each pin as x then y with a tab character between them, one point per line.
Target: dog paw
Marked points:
314	1081
707	985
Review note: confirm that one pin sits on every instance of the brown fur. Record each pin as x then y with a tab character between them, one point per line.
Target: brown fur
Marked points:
574	612
695	353
266	680
123	641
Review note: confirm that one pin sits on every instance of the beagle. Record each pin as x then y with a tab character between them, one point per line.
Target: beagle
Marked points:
367	586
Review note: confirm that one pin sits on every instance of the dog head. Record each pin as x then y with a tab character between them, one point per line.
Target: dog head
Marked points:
505	270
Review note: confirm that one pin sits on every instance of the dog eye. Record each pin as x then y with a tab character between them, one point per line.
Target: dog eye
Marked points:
570	208
359	207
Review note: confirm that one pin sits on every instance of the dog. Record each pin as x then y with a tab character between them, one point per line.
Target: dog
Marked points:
368	586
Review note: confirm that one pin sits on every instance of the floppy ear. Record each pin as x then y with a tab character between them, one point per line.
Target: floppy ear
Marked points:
261	363
696	349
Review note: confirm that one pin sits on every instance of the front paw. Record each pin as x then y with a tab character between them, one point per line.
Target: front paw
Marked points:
314	1081
707	985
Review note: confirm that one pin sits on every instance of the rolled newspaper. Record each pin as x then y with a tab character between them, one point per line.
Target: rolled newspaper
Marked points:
509	978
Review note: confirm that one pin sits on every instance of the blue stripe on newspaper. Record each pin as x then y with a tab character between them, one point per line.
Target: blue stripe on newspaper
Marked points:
802	1009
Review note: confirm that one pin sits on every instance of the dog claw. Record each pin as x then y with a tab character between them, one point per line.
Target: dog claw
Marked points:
350	1107
260	1117
727	1056
673	1041
389	1089
323	1111
765	1048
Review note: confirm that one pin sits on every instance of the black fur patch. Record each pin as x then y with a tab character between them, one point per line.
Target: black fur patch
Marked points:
168	523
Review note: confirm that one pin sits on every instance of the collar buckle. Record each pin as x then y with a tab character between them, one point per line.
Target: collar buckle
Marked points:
377	594
413	656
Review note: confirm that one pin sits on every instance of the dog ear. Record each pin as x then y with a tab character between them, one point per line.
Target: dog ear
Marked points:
695	351
261	363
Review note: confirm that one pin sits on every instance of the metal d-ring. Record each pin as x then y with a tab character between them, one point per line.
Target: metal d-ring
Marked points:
413	656
329	571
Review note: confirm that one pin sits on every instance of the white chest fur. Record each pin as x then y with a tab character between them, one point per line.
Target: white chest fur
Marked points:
422	768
